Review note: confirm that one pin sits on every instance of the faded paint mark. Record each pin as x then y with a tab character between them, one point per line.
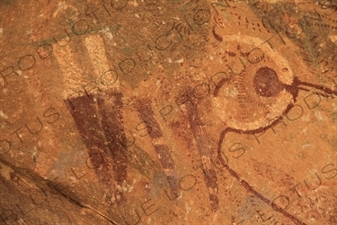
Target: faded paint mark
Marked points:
99	121
145	111
84	112
110	108
203	146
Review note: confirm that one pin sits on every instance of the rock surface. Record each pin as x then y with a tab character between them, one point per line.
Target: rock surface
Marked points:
168	112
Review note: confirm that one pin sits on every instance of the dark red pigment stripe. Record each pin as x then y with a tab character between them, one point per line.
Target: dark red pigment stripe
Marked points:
250	189
110	108
145	111
84	111
244	183
99	121
201	138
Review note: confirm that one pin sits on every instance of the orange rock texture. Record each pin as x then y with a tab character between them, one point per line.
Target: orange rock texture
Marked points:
168	112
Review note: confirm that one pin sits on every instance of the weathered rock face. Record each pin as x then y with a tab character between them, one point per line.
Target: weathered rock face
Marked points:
168	112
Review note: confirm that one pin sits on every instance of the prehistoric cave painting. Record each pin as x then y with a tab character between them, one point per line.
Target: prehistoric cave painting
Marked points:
255	95
256	91
98	115
203	145
99	120
265	90
145	111
97	111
